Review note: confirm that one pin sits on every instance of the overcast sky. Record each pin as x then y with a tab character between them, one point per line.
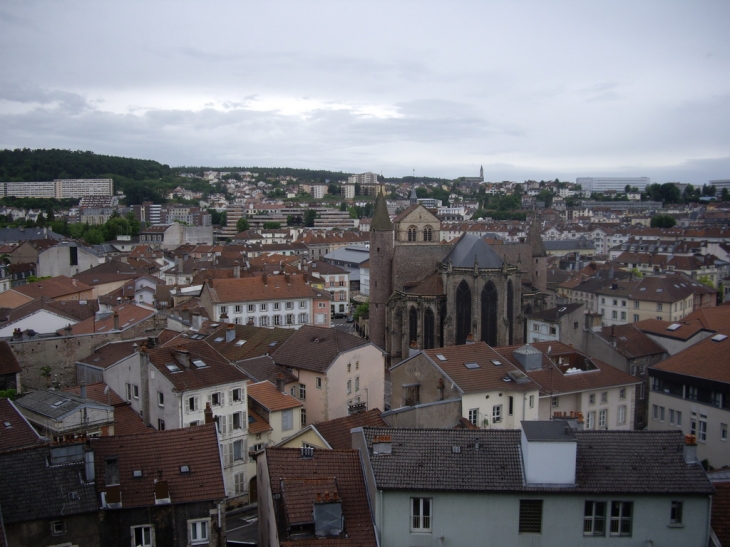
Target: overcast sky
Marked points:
528	89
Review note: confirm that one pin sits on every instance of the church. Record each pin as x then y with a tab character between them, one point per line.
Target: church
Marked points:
426	293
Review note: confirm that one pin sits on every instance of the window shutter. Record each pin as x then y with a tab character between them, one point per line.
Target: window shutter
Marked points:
222	420
230	397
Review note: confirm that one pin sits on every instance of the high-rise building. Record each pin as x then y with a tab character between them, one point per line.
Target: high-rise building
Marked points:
363	178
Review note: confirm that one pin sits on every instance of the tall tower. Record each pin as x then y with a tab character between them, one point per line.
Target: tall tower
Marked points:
381	270
539	256
481	173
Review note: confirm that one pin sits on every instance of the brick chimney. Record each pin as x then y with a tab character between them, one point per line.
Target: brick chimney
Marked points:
183	355
116	321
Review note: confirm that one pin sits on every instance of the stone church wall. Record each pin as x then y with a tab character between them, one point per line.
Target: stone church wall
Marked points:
416	262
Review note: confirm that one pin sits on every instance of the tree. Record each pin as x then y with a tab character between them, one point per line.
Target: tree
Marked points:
333	189
362	310
705	280
663	221
709	190
272	225
725	195
309	216
242	224
343	206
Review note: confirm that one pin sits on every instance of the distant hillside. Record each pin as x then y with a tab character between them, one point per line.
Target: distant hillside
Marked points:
28	165
302	175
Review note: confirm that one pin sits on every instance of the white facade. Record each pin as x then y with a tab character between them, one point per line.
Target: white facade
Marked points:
603	184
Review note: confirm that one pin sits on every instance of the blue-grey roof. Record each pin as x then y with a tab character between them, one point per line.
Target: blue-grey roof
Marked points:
14	235
43	483
490	460
471	248
56	404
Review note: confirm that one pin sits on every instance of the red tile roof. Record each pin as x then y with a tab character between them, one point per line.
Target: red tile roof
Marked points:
314	348
129	315
266	394
709	359
53	288
160	456
8	362
15	431
337	432
271	287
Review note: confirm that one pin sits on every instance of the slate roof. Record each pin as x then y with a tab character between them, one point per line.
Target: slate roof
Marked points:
15	431
30	489
57	404
337	432
159	456
8	362
381	219
286	465
708	359
217	371
266	394
471	248
314	348
608	462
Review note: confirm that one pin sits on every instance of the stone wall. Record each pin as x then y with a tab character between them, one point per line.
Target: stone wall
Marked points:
415	262
61	352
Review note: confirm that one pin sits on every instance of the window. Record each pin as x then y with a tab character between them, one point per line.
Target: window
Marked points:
555	401
349	387
142	536
623	316
621	418
58	527
236	395
421	514
621	518
239	483
303	304
659	307
614	314
412	233
474	416
237	420
223	309
496	414
623	303
510	405
277	320
723	432
603	300
192	404
216	399
263	321
318	382
530	516
536	327
302	391
290	305
590	420
602	418
427	233
636	305
604	397
161	425
642	391
262	307
290	319
198	530
237	450
321	305
276	306
302	318
135	391
636	318
303	417
675	513
702	431
160	398
592	399
594	518
357	383
532	401
238	308
287	420
622	393
252	307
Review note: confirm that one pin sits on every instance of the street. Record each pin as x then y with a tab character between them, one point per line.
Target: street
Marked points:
242	526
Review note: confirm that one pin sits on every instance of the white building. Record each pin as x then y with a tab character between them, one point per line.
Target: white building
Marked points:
602	184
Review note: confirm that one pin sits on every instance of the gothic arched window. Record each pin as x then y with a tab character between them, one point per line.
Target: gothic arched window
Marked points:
412	325
427	234
463	312
412	233
510	311
489	303
428	329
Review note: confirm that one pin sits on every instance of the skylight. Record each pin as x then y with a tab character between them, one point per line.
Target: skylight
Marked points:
719	337
184	469
673	327
240	342
496	362
172	367
219	339
199	363
471	366
272	344
440	357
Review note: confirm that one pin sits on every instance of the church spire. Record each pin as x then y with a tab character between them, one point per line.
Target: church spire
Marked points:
381	220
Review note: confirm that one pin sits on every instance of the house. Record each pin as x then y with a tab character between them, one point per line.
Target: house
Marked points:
674	336
126	420
437	387
690	393
334	434
545	484
67	258
266	301
553	324
166	488
48	496
61	415
336	373
44	315
337	282
171	386
57	288
313	497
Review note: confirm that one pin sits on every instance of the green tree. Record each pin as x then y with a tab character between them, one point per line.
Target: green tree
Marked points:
272	225
705	280
663	221
309	216
362	310
333	189
725	195
709	190
242	224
